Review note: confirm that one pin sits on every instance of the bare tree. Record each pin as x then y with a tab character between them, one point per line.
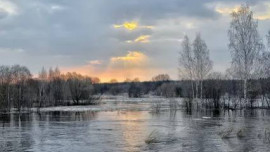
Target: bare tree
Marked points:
80	87
5	81
95	80
136	80
263	67
186	62
161	77
20	76
202	62
113	81
245	44
42	83
268	40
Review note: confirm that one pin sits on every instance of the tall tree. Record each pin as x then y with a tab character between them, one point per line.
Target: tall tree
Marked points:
42	84
202	62
263	69
186	62
268	40
245	44
20	76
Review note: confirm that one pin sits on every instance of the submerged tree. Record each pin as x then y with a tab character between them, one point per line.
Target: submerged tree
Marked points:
245	44
202	62
20	76
80	87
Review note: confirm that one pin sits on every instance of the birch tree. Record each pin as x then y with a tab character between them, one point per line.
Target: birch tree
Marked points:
186	62
268	40
264	60
244	44
202	62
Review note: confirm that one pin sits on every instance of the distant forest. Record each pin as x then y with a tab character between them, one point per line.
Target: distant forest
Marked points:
246	84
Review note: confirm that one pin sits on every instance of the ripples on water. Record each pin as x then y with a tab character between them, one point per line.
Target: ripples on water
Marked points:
127	131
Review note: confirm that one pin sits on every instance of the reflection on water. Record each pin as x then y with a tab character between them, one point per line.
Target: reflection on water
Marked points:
127	131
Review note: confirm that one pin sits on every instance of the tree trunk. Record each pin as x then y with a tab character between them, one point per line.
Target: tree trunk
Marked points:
201	90
8	99
192	88
197	88
245	90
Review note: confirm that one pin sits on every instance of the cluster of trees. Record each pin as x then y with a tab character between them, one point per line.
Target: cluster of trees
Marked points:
195	63
18	89
217	93
250	59
139	89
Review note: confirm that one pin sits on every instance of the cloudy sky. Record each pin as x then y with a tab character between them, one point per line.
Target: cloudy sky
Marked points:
116	38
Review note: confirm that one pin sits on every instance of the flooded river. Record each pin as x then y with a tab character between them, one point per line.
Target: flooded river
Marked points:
127	131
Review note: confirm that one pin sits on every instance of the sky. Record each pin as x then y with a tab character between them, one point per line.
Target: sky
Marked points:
116	39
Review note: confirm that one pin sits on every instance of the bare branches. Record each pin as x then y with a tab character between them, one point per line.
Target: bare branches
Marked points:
245	44
194	62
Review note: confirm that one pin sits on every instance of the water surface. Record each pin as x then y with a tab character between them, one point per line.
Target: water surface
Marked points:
127	130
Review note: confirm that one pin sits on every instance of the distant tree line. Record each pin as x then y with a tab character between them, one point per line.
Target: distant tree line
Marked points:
18	89
217	93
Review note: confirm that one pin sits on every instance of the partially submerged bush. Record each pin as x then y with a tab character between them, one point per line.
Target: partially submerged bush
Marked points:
226	133
267	134
156	107
241	133
152	137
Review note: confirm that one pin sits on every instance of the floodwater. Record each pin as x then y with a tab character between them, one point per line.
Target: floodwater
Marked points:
127	130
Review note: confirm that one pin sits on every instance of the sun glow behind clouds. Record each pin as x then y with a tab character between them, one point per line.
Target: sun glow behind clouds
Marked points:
143	39
95	62
132	56
263	15
8	7
261	10
134	64
140	39
227	10
131	26
128	25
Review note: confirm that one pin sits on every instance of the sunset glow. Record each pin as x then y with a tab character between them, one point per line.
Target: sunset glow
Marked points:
143	39
227	10
128	25
131	26
134	64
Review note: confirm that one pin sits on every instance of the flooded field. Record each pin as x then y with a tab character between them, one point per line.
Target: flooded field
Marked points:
129	130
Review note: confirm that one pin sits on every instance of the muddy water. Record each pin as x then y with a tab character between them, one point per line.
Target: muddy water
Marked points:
127	131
